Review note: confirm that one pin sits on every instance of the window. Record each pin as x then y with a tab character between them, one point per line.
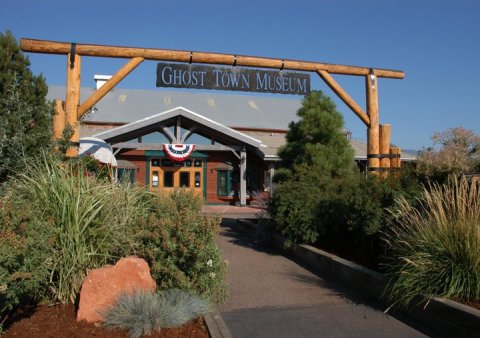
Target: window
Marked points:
155	179
223	183
197	179
185	179
168	179
227	182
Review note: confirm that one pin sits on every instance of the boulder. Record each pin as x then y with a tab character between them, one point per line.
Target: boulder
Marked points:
102	286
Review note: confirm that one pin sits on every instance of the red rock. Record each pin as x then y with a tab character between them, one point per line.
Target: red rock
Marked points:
102	286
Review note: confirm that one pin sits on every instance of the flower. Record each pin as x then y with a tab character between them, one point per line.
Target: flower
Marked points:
213	274
210	263
3	288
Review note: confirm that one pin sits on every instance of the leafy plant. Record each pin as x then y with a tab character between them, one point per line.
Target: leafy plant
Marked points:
178	242
142	313
435	246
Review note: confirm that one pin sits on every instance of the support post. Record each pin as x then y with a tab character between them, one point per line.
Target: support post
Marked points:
271	173
385	132
396	161
243	178
72	101
373	148
58	120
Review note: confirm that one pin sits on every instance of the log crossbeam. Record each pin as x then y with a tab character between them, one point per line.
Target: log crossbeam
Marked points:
54	47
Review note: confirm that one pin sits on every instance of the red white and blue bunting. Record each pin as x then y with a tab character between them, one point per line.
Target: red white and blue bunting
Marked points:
178	152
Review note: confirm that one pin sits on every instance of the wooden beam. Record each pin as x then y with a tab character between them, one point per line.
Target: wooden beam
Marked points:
373	148
54	47
72	101
109	85
58	120
384	133
341	93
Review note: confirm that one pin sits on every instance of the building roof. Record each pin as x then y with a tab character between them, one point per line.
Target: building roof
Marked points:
247	111
189	119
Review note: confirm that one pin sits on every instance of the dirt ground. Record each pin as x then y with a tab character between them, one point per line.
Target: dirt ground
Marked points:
59	321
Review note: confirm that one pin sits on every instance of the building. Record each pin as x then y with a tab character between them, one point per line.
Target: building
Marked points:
235	138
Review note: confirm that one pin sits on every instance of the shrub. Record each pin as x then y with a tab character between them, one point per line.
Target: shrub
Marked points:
178	242
78	221
435	246
57	223
342	215
142	313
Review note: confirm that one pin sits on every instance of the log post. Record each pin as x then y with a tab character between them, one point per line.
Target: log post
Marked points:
373	147
385	132
396	161
72	101
58	120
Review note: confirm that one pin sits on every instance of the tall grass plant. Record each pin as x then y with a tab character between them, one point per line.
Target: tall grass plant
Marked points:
434	247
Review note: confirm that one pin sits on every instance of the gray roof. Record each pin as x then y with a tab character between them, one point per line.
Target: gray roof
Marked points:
189	119
229	110
247	111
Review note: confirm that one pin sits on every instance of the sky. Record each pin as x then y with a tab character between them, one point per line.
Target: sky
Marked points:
436	44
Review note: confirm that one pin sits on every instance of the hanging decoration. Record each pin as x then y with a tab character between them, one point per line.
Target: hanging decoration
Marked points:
178	152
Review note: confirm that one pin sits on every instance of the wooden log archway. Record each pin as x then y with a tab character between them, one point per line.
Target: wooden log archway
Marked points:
69	111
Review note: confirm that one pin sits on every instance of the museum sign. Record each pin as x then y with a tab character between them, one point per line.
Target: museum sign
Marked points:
232	78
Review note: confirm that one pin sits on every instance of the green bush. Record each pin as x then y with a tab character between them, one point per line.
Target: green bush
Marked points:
178	242
57	222
342	215
142	313
435	246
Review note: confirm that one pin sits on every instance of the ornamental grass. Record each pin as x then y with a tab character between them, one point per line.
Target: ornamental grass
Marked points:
434	247
143	313
86	219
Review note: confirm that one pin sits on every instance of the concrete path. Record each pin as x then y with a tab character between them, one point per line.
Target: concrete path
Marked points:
271	296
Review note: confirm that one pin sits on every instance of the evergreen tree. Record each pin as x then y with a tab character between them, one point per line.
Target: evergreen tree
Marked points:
317	140
25	115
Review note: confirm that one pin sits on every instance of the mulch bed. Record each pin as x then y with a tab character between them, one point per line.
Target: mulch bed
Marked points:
59	321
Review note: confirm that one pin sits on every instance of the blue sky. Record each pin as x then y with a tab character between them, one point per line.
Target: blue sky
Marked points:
436	43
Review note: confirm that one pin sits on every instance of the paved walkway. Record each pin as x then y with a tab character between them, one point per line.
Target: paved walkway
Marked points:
271	296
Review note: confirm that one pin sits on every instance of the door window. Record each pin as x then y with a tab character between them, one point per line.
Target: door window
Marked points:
185	179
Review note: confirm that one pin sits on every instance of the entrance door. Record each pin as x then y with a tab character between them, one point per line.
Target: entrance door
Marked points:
168	175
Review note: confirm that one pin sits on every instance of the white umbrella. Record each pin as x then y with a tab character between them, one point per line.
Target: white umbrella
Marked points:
98	149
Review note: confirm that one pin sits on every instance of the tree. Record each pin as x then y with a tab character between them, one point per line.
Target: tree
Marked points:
315	160
317	139
25	115
454	151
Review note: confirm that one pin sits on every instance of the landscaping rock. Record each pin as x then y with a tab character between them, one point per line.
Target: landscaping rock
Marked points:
102	286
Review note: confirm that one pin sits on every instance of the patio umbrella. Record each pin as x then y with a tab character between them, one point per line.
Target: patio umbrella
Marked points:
98	149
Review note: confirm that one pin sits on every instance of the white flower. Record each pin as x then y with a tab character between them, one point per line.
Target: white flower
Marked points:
210	263
3	288
226	262
212	274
